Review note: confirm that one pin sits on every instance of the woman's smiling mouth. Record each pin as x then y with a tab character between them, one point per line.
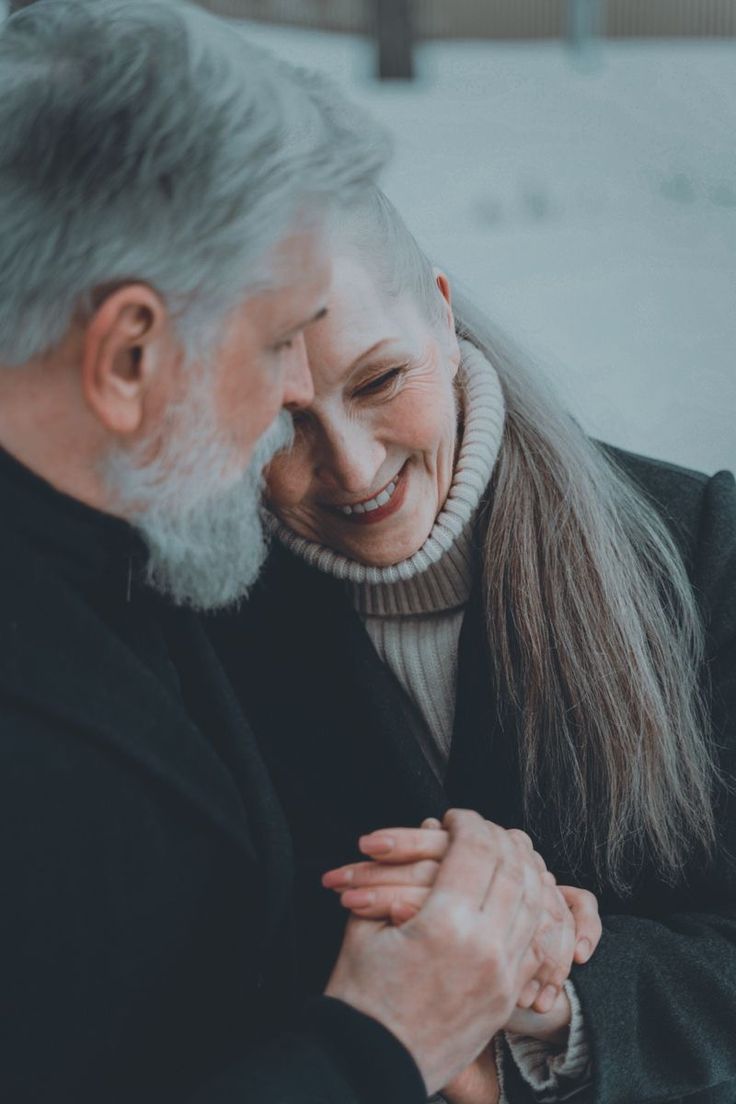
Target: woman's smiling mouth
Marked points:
375	509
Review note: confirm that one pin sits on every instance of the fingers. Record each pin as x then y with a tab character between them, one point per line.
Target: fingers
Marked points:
469	863
546	999
553	945
516	877
358	875
430	841
401	845
483	852
519	861
529	994
536	995
522	839
588	928
385	902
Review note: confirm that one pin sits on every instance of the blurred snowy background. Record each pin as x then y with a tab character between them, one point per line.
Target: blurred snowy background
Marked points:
588	201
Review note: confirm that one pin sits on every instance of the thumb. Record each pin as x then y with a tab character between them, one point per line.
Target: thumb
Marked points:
588	928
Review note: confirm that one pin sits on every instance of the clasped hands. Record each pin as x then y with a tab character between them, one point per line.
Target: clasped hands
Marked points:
403	871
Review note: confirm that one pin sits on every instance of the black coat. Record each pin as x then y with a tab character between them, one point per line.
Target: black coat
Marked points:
146	950
340	736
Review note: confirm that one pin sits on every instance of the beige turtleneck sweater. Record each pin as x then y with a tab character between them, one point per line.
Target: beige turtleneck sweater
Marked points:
413	612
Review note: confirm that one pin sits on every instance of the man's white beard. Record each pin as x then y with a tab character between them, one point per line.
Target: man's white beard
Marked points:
202	525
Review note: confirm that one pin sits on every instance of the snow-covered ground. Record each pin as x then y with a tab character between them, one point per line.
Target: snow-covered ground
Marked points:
590	205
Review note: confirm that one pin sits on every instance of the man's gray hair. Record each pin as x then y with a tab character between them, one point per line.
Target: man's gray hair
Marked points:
147	140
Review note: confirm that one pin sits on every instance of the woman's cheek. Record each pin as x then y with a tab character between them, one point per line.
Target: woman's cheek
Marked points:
286	482
426	419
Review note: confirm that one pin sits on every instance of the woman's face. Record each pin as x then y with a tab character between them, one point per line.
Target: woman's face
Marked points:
373	457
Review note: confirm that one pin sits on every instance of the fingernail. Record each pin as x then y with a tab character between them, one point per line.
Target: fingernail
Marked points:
358	898
334	878
547	998
376	845
584	950
531	993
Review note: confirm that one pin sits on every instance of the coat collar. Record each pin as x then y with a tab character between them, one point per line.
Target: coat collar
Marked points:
367	726
336	715
483	769
59	660
94	551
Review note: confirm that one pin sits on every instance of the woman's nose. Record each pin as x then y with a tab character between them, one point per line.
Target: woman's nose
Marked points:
350	460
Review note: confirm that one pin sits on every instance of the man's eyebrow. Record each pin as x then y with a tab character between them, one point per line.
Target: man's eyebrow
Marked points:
320	314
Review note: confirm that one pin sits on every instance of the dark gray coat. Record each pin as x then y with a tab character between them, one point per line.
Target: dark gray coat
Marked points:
339	733
146	945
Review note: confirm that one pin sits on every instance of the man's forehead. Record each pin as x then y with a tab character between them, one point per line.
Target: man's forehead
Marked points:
299	252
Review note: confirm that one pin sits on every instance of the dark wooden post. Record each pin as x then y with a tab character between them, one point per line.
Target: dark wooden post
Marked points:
585	21
395	36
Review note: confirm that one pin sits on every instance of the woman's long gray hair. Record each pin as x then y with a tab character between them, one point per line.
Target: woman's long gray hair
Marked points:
594	630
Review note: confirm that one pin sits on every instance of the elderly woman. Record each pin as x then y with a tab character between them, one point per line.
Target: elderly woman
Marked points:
479	606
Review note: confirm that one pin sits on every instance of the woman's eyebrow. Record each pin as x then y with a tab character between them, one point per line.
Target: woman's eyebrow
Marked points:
369	352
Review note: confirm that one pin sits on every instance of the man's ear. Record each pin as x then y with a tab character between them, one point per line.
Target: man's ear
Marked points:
124	345
445	290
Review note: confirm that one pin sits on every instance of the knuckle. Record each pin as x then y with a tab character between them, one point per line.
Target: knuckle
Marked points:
425	872
522	839
590	902
366	873
538	962
470	824
459	819
534	885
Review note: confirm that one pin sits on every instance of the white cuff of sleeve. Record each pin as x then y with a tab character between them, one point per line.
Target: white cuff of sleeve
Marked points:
555	1074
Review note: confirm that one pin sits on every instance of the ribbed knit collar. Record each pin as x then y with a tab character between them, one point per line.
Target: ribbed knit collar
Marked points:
439	576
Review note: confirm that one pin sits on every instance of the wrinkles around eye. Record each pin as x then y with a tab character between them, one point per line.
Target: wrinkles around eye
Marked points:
382	382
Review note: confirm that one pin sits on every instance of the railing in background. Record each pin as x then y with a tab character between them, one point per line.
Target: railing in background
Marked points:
498	18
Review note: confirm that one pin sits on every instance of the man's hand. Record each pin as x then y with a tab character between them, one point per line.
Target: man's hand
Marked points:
447	979
396	883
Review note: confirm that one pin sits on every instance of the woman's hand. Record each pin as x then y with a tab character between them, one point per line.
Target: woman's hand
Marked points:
395	884
477	1084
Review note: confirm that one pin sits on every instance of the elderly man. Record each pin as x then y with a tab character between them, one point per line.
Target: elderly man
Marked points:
164	193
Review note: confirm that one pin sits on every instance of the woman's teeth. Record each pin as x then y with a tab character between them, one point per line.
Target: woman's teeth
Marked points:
372	503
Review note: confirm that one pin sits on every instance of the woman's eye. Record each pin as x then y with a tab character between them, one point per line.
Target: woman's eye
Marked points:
381	382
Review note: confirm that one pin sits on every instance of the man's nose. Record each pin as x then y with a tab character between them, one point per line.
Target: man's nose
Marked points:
298	383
